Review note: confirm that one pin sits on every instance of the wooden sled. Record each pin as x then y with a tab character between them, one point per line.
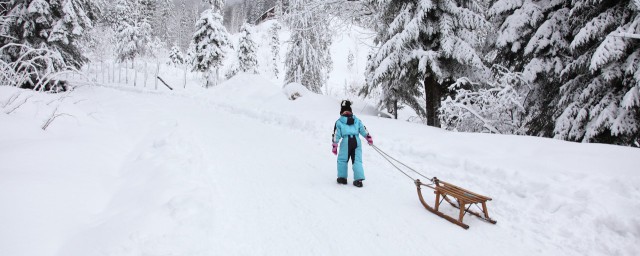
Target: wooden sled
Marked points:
464	198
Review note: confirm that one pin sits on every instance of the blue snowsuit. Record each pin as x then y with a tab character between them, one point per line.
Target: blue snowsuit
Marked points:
345	132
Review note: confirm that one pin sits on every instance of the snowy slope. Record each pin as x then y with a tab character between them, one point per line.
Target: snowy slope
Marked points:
242	170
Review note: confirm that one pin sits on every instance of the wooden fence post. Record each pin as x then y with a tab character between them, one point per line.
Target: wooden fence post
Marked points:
126	74
185	76
145	73
157	73
135	76
102	71
119	72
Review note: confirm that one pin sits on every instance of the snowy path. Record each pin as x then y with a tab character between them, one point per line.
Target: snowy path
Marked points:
189	174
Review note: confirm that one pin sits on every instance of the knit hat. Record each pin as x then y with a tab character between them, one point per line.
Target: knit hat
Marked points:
345	106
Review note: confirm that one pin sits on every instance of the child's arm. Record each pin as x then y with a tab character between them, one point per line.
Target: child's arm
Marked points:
363	130
337	134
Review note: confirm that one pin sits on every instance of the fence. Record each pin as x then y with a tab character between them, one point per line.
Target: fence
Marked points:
136	74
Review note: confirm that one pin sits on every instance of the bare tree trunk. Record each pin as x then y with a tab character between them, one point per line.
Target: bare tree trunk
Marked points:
395	109
432	98
217	75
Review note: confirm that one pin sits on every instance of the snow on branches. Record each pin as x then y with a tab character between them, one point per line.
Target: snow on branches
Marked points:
496	107
308	60
247	56
209	44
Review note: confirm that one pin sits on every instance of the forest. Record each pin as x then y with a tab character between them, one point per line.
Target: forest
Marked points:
563	69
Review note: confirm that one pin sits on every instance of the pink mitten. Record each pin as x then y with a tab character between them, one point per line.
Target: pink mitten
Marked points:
369	139
335	148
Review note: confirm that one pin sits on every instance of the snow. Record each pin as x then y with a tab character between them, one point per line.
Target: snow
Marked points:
240	169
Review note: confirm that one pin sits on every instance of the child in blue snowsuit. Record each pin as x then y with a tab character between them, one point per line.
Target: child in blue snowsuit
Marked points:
345	132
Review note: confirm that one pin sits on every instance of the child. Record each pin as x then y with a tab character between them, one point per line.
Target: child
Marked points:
347	129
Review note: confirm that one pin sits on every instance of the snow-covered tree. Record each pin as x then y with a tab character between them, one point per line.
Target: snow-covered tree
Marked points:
532	39
422	47
175	56
56	25
274	43
208	45
133	29
216	5
279	8
308	60
162	19
495	107
257	11
247	58
350	60
600	100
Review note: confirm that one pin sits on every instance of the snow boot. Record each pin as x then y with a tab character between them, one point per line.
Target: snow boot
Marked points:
357	183
342	181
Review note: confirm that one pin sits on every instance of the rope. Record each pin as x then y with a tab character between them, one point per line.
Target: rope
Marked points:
389	158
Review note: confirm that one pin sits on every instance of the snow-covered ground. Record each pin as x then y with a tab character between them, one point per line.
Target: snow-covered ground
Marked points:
242	170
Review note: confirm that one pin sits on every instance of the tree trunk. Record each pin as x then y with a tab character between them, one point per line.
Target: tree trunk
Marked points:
433	93
395	109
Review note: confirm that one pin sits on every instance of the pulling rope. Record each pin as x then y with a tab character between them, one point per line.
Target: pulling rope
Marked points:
389	158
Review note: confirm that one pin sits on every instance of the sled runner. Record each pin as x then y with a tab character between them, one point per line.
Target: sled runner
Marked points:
463	197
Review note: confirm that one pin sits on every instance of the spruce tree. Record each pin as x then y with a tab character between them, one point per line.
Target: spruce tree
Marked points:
531	38
247	58
133	29
208	45
274	33
599	100
424	46
56	25
175	56
308	60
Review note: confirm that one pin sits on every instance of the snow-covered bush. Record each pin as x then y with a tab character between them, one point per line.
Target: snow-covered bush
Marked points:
496	107
55	25
37	69
295	91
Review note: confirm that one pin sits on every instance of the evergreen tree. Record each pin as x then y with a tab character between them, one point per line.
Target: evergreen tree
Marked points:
423	46
162	19
133	29
208	45
274	33
56	25
350	60
247	58
279	8
531	39
599	101
258	9
175	56
308	59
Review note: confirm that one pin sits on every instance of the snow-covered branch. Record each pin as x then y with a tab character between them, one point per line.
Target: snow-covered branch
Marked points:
496	107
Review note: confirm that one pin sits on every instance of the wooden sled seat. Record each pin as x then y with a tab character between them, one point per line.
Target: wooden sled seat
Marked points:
463	198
